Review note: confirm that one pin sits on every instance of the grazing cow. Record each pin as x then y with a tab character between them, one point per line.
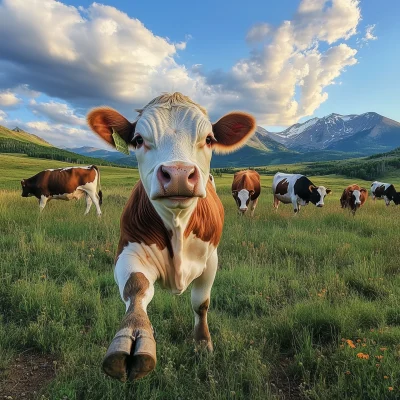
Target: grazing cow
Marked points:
298	190
386	191
353	197
65	184
172	223
246	188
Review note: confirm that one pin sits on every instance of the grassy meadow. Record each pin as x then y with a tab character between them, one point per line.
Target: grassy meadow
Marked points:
304	307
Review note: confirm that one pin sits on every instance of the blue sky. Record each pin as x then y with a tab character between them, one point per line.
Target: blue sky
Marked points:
59	59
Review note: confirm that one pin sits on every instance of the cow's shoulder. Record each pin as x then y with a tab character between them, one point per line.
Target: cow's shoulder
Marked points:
140	223
207	219
302	187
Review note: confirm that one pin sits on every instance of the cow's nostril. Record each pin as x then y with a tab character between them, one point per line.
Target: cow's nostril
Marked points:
165	174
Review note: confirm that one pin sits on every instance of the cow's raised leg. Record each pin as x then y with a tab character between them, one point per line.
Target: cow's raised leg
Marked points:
42	202
132	353
95	199
200	298
88	204
253	206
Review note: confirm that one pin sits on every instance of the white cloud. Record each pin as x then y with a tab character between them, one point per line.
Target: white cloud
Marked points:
369	33
3	116
100	55
57	112
8	99
258	32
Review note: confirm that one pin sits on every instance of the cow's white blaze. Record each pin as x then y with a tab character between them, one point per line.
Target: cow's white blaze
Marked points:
322	193
243	196
357	194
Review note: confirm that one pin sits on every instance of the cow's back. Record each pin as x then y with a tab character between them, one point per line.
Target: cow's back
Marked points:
66	180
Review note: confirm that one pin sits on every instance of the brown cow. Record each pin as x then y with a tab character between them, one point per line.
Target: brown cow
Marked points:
65	184
353	197
172	223
246	188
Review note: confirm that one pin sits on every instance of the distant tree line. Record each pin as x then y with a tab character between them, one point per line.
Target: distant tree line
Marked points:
369	168
51	153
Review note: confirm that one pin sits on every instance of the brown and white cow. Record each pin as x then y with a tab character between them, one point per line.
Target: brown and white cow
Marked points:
70	183
353	197
298	190
172	223
386	191
246	188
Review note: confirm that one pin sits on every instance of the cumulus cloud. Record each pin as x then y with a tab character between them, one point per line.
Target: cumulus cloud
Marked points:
8	99
57	112
100	55
258	32
3	115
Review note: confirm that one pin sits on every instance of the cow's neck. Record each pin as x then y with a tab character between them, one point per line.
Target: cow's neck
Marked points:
176	221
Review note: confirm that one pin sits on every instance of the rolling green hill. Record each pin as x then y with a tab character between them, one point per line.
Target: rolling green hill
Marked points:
22	136
21	142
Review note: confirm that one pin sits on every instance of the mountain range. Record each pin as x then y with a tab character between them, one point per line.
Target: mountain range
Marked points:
367	133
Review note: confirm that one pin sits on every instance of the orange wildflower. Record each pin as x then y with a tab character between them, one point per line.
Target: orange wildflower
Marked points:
385	377
347	372
383	349
350	343
390	388
363	356
379	357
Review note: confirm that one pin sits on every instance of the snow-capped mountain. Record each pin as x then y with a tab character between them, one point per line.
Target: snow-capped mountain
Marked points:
342	132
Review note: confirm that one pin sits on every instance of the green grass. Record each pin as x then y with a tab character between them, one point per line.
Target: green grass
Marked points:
289	293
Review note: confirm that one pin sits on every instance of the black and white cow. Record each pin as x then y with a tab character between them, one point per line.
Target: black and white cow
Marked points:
386	191
298	190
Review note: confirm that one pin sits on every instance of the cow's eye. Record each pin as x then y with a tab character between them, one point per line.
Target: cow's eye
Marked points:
137	141
209	140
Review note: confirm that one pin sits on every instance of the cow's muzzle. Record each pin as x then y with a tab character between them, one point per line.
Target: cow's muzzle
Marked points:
178	182
320	205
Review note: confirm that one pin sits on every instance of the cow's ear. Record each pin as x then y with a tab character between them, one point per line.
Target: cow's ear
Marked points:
311	188
102	120
251	192
232	131
363	190
328	191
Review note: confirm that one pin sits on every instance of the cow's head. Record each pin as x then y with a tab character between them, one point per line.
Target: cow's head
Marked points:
173	140
242	198
25	188
318	194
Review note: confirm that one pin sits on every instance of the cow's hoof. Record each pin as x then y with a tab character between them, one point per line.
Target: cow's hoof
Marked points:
144	357
130	355
205	344
116	359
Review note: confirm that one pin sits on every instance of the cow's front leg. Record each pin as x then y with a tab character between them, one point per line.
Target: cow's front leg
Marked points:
296	206
253	206
132	353
42	202
200	297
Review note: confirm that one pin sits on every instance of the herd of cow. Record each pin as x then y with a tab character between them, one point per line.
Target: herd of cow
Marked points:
298	190
172	224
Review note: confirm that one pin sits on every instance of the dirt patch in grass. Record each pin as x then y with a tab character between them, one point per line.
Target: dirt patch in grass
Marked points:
27	375
283	384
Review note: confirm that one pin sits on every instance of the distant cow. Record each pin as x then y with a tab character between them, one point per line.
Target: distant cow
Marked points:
298	190
386	191
353	197
172	223
65	184
246	189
